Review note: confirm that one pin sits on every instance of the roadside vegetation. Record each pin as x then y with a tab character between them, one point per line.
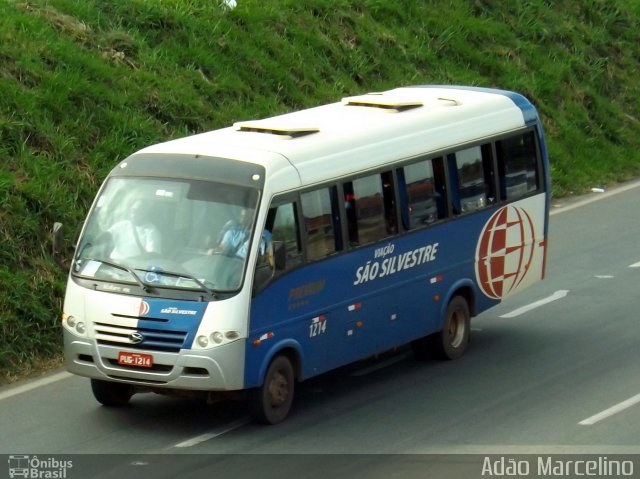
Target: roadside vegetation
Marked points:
83	83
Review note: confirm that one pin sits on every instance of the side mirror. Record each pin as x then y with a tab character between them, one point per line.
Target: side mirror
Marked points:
58	245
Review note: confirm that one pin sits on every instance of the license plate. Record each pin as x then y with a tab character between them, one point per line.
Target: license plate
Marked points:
135	359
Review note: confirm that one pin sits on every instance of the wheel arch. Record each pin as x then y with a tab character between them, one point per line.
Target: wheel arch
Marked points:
464	288
289	348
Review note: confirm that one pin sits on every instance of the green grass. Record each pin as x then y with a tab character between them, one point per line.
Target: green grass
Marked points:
83	83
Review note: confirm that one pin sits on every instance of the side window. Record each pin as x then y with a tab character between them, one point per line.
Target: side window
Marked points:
321	220
371	210
473	176
284	234
422	193
517	166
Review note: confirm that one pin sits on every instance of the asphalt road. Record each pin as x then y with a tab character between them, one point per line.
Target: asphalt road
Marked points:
553	370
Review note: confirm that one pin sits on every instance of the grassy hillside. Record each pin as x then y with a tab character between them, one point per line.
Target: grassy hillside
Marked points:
83	83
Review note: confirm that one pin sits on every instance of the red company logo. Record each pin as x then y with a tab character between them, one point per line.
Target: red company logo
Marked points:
144	308
505	251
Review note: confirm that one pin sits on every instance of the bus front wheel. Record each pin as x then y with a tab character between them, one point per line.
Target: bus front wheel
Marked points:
111	394
452	341
271	402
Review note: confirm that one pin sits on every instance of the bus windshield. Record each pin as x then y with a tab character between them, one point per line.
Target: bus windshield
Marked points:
168	233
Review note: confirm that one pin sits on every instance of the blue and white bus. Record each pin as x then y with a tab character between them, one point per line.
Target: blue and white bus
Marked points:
262	254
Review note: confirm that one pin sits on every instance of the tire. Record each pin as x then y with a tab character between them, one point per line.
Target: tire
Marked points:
452	341
111	394
271	402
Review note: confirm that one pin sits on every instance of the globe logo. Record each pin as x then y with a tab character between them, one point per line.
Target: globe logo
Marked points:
504	252
144	308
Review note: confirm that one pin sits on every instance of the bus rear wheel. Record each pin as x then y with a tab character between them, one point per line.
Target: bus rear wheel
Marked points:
452	341
454	337
271	402
111	394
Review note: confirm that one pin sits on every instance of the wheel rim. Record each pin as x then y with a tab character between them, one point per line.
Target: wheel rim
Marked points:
456	329
278	389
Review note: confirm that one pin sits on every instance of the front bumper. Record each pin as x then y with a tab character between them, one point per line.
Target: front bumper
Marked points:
217	369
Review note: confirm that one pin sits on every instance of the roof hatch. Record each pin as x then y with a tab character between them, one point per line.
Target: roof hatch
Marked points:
393	102
275	129
380	100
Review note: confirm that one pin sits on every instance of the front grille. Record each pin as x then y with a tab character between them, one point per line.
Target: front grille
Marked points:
156	368
152	339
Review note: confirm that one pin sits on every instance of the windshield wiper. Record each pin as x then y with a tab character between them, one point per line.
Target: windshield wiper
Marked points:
145	287
182	275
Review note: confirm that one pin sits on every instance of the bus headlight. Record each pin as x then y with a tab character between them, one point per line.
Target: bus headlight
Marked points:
74	325
211	339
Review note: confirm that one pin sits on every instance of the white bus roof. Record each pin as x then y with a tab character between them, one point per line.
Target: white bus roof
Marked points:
362	132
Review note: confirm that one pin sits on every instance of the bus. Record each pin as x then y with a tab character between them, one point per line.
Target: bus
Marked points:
256	256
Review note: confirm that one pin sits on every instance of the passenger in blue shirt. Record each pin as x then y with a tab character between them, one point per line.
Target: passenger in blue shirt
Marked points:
265	240
235	240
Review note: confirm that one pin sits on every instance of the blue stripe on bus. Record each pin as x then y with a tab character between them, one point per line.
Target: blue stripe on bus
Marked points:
171	321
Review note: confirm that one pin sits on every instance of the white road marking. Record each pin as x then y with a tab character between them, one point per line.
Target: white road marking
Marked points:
525	309
635	265
611	411
381	365
14	391
604	276
210	435
593	198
